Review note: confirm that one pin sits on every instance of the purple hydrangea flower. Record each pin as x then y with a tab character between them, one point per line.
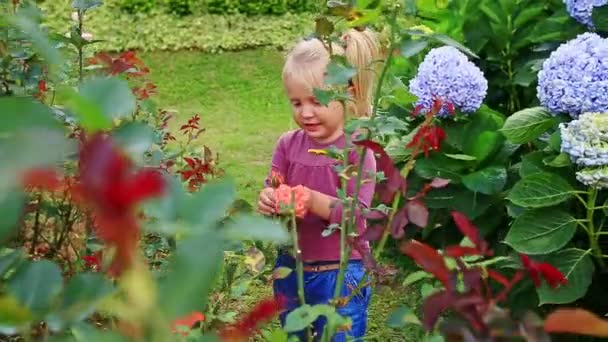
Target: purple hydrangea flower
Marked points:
447	75
574	79
582	10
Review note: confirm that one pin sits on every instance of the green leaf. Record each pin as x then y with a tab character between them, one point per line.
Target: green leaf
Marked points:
22	112
411	48
401	317
193	271
528	124
89	114
305	315
86	4
451	42
82	293
555	141
323	27
484	145
489	181
11	206
528	14
10	260
325	96
460	157
440	166
36	285
281	272
599	16
112	95
248	227
210	204
13	316
87	333
338	73
532	163
24	20
456	197
415	277
541	231
540	190
135	139
576	265
561	160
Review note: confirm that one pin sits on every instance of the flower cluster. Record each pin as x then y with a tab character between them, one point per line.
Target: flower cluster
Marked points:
574	79
446	74
585	140
582	10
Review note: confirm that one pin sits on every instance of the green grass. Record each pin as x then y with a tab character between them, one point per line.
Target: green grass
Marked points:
240	99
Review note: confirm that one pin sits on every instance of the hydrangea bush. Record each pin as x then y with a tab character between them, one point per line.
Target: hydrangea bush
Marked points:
447	74
582	10
574	79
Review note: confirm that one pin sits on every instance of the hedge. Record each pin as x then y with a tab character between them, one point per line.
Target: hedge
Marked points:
247	7
162	31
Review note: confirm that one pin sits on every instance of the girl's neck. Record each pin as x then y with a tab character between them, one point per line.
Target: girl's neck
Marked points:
330	139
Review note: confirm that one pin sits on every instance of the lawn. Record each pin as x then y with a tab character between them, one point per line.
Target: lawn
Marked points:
240	99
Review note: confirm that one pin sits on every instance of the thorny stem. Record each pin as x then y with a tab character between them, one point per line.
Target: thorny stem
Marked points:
80	54
344	248
297	253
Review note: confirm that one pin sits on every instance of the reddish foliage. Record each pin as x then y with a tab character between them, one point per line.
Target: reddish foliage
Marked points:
427	138
187	321
113	189
145	92
43	178
467	228
197	170
275	179
428	259
395	183
536	270
265	311
93	261
576	321
127	62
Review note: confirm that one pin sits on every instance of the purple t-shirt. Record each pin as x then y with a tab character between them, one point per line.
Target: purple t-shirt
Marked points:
292	159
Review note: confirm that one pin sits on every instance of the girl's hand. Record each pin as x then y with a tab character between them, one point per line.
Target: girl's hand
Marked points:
266	202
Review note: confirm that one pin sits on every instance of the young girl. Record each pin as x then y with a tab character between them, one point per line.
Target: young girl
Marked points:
320	127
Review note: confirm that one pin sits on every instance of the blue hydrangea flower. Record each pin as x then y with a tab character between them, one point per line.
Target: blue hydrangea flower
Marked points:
574	79
582	10
585	141
594	177
447	74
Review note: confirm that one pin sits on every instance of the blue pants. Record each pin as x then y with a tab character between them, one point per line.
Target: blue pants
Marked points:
319	289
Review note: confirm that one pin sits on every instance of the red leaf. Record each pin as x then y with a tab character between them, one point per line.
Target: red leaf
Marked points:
394	181
187	321
460	251
467	228
552	275
398	225
576	321
429	260
498	277
417	213
373	233
434	306
44	178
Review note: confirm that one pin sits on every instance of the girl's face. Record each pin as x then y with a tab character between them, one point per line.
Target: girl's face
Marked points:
323	124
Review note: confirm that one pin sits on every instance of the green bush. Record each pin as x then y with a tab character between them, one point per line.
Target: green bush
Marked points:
158	30
137	6
180	7
222	6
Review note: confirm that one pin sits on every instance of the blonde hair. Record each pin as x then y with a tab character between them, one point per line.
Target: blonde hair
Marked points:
307	62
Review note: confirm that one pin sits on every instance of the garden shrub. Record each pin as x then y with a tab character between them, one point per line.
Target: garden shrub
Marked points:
138	6
163	31
180	8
